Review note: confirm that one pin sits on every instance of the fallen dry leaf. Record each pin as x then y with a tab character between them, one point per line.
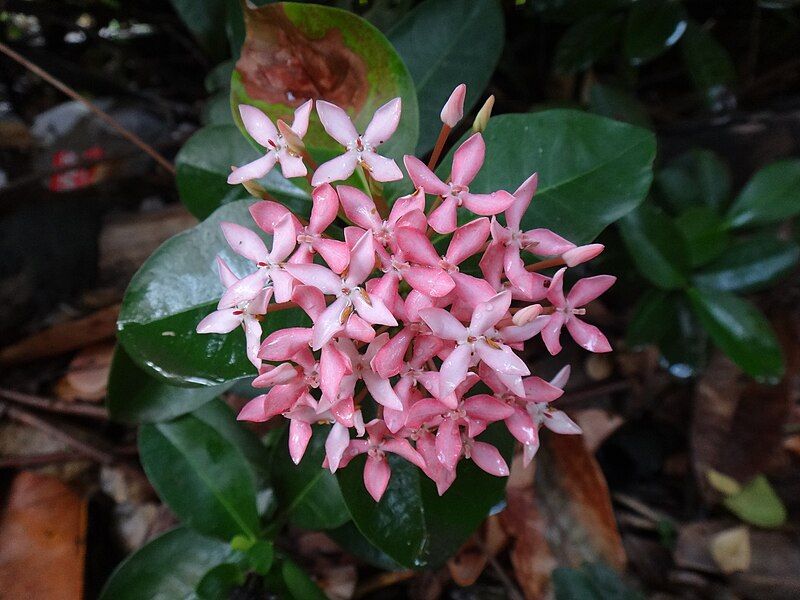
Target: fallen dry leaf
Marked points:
730	549
87	374
470	561
42	540
597	425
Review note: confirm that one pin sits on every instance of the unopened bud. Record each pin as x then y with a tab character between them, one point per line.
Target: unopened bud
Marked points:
527	314
291	139
482	120
453	109
581	254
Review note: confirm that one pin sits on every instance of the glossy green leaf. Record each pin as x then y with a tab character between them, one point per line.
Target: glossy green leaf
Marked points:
653	27
614	103
166	568
773	194
750	265
204	162
220	581
697	177
260	556
308	495
592	170
656	246
201	476
685	348
587	41
709	64
651	320
740	330
299	584
758	504
296	51
174	290
136	397
441	52
350	539
412	524
704	233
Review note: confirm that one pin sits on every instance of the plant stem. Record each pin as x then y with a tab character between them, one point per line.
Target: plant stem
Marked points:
437	149
545	264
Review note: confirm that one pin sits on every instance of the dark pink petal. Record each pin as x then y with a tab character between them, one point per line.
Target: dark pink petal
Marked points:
324	209
488	458
589	288
444	218
423	177
414	219
221	321
336	123
467	160
333	252
284	343
432	281
467	240
388	362
362	260
299	436
522	199
471	290
402	448
358	207
588	336
415	301
487	408
454	369
448	443
253	170
491	264
267	213
538	390
244	241
384	123
329	323
333	365
546	243
416	247
551	332
423	411
376	477
487	204
310	299
555	292
280	375
336	169
258	125
582	254
522	427
407	204
358	329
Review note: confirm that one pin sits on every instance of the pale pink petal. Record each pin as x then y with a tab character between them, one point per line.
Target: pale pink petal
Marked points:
301	116
221	321
589	288
416	247
333	252
488	458
285	343
336	169
282	283
406	204
324	209
328	324
487	408
258	125
372	309
522	199
502	359
376	477
538	390
491	264
454	369
402	448
336	123
291	165
513	382
415	301
358	207
357	328
551	333
488	313
522	427
267	213
529	452
414	219
487	204
310	299
559	422
388	361
432	281
453	109
588	336
254	410
467	240
333	366
423	177
253	170
467	160
582	254
561	378
448	443
384	123
546	243
258	305
424	411
226	276
284	239
381	168
381	390
555	291
443	324
471	290
344	411
514	334
299	436
444	218
316	276
243	290
244	241
362	260
280	375
335	445
252	335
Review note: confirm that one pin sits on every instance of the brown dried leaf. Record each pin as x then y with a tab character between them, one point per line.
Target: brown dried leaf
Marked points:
87	375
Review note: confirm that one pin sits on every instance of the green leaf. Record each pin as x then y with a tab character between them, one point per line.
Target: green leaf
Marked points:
412	524
349	538
202	18
293	52
709	64
166	568
204	162
308	495
653	27
758	504
201	475
586	42
651	320
441	52
656	247
740	330
260	556
773	194
592	170
174	290
697	177
685	349
704	233
750	265
136	397
614	103
299	583
218	583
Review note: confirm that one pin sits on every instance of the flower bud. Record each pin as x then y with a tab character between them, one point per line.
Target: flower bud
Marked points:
453	109
525	315
291	139
482	120
581	254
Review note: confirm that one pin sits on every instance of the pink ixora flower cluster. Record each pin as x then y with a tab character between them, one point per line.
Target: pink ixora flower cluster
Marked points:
396	318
